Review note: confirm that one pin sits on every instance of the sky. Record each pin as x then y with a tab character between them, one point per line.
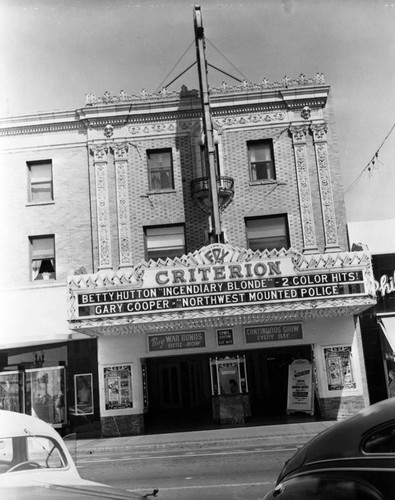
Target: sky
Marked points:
54	52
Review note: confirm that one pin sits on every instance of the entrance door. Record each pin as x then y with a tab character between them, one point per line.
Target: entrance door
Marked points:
170	393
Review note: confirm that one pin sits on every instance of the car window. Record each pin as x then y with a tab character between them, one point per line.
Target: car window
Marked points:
6	454
380	441
45	452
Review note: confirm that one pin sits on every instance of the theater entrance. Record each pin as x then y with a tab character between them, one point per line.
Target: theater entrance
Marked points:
178	393
181	388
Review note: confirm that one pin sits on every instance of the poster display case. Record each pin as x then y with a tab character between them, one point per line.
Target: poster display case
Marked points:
338	366
118	387
12	391
83	395
46	393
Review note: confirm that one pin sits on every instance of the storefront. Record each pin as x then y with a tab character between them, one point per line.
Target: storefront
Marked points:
226	335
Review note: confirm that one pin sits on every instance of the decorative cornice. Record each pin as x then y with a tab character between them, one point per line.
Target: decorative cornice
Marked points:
245	86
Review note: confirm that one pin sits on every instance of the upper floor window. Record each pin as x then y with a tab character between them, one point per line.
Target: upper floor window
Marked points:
267	233
160	169
40	181
165	242
42	251
261	160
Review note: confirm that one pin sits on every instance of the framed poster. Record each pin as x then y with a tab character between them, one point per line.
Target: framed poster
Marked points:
118	387
338	367
83	394
45	393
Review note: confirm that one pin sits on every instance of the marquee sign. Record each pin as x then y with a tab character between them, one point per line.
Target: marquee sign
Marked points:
216	276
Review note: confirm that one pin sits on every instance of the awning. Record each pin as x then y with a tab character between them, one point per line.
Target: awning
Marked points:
388	327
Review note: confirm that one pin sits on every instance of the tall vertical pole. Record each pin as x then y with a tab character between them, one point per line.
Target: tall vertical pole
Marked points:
209	148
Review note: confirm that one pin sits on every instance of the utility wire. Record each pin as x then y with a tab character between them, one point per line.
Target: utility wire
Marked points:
172	69
370	164
230	62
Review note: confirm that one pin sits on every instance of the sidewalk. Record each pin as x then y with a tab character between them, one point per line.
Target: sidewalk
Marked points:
267	435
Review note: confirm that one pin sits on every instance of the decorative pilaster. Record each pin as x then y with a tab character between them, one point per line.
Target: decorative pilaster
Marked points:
99	152
302	174
325	184
120	151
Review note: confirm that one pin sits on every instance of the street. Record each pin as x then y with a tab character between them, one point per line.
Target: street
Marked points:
242	472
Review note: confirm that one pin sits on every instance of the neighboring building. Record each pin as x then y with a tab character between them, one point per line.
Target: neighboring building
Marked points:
121	312
378	322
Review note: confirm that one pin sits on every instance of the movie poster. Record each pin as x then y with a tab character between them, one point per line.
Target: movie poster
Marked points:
118	387
300	387
339	368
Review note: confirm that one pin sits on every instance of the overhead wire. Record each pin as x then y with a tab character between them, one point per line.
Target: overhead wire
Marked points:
371	163
230	62
172	69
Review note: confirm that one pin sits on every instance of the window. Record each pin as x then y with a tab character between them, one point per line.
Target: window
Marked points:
381	441
42	257
267	233
261	160
40	181
160	169
165	242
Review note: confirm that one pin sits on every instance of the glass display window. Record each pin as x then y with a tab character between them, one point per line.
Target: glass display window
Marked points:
46	393
12	395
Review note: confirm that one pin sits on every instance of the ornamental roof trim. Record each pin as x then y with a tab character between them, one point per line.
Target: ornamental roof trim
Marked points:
245	86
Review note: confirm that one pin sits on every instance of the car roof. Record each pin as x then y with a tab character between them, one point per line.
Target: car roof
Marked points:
13	424
344	438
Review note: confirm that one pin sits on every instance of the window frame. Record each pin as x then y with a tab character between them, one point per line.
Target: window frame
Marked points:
164	227
31	197
286	235
170	173
34	257
271	170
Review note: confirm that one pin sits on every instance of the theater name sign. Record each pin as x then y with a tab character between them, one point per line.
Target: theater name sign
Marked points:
222	276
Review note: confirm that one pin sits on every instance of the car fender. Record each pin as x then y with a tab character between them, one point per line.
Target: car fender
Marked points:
324	487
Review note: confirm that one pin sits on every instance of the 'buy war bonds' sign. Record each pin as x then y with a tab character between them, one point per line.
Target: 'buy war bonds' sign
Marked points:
218	281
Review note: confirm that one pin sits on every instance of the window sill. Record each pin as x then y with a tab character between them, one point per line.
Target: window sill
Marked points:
264	182
161	191
39	203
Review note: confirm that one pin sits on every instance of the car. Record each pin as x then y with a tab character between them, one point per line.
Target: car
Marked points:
35	463
354	460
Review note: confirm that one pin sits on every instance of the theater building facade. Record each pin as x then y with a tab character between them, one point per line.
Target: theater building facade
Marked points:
149	321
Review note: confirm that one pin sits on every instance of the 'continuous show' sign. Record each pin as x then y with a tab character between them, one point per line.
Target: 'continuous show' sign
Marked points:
274	332
269	289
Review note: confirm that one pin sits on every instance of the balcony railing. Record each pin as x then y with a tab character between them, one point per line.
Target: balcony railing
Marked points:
200	190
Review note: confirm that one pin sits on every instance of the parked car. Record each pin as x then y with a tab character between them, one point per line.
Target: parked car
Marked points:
352	460
36	464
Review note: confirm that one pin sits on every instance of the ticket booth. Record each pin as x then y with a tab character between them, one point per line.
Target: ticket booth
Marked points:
229	389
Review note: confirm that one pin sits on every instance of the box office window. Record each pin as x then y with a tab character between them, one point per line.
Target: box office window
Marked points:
267	233
160	169
42	251
40	181
164	242
261	160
